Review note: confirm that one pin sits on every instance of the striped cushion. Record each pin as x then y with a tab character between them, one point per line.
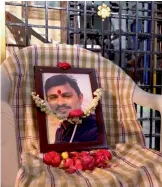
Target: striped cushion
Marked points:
136	164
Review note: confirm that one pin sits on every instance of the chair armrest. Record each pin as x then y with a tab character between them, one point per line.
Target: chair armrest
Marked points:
153	101
9	156
5	84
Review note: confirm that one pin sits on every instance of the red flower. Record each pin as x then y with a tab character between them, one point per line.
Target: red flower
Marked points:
101	158
88	162
84	153
52	158
78	164
74	154
101	161
71	169
47	159
79	161
68	163
64	65
105	153
76	113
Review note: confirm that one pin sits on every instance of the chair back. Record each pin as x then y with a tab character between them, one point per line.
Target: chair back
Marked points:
117	105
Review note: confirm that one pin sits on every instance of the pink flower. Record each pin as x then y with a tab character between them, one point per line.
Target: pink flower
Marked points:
64	65
52	158
76	113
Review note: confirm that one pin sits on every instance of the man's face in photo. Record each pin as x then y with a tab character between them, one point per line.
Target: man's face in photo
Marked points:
63	99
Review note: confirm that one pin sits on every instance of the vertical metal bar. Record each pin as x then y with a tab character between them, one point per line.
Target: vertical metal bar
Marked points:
26	24
79	23
136	42
157	130
76	24
151	66
102	31
127	28
141	114
135	107
109	28
109	46
2	32
157	81
143	44
85	24
67	21
120	49
92	22
72	25
155	49
46	21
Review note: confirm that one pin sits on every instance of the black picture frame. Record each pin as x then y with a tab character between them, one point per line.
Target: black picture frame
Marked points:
45	146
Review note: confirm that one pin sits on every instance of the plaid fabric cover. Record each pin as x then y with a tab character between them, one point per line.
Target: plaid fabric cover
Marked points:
136	165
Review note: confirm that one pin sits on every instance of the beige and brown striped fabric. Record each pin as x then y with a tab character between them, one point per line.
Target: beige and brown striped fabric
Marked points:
137	166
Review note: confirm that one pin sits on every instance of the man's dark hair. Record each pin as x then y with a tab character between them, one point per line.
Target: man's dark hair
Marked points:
58	80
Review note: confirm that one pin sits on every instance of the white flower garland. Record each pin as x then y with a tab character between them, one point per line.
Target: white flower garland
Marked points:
76	120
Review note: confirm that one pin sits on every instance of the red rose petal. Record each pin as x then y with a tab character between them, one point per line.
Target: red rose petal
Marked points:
76	113
64	65
52	158
68	162
71	169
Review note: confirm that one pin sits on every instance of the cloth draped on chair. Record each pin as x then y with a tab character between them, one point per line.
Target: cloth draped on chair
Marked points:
136	165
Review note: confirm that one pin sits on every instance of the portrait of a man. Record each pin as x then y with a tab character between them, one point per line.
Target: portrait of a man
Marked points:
63	95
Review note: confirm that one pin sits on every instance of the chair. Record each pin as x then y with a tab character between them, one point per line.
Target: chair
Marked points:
136	164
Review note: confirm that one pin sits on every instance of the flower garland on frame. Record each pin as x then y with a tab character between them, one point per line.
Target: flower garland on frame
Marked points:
75	115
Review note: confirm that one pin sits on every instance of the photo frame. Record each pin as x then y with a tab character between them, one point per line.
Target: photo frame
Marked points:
62	98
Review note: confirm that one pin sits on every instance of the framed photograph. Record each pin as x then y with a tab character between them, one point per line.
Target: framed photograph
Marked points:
64	92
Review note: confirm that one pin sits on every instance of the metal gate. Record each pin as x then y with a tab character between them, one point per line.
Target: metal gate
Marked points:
131	37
